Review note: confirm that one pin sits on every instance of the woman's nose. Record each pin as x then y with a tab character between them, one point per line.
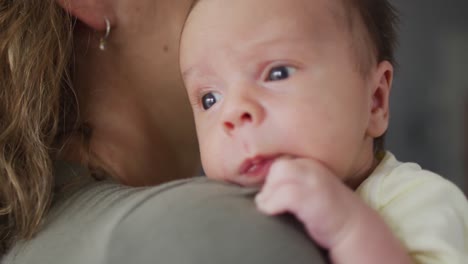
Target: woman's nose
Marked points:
242	112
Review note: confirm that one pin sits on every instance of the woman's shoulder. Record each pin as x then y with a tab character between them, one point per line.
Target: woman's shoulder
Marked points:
202	221
186	221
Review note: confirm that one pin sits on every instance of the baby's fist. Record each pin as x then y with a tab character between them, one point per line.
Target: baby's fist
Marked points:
311	192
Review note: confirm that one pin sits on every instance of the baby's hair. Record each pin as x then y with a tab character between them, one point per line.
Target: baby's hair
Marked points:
380	19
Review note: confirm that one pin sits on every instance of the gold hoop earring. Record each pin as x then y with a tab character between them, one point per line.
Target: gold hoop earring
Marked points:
103	40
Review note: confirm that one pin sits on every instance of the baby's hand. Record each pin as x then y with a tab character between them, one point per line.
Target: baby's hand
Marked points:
317	197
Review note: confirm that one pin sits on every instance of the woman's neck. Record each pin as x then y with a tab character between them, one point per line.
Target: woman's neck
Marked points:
141	130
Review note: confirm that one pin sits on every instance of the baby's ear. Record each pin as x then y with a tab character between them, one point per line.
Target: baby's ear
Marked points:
91	12
382	78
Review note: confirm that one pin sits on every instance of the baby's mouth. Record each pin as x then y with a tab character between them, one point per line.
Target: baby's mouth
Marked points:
257	167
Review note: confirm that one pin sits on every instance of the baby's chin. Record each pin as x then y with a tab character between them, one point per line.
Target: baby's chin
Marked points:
248	181
239	180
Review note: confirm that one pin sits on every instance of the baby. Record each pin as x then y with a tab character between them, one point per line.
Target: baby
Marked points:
292	96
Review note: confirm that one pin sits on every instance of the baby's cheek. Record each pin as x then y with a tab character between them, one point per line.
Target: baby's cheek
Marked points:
210	157
219	155
216	171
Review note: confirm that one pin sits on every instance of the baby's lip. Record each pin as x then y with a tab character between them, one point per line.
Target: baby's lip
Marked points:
257	167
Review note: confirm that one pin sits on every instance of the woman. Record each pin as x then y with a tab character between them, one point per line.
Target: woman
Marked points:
119	109
91	88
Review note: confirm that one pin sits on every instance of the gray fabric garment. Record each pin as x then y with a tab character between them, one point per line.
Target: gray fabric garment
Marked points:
181	222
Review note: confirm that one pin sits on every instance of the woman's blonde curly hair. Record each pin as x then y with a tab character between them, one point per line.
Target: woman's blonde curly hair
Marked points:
37	108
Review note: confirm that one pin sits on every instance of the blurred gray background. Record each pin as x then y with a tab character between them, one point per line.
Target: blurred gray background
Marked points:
429	104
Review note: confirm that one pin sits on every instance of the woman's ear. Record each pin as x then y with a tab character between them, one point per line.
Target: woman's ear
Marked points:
380	112
91	12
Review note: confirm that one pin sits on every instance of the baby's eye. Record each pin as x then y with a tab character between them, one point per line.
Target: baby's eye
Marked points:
209	99
280	73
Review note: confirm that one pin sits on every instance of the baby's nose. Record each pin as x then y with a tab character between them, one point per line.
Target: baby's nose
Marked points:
240	113
237	121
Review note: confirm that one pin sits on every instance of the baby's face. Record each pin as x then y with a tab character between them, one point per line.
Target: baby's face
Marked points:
274	78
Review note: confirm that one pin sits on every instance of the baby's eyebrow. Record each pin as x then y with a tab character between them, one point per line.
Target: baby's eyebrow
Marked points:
196	71
192	72
188	72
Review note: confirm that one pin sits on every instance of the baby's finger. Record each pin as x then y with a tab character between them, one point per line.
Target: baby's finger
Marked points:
282	172
283	199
